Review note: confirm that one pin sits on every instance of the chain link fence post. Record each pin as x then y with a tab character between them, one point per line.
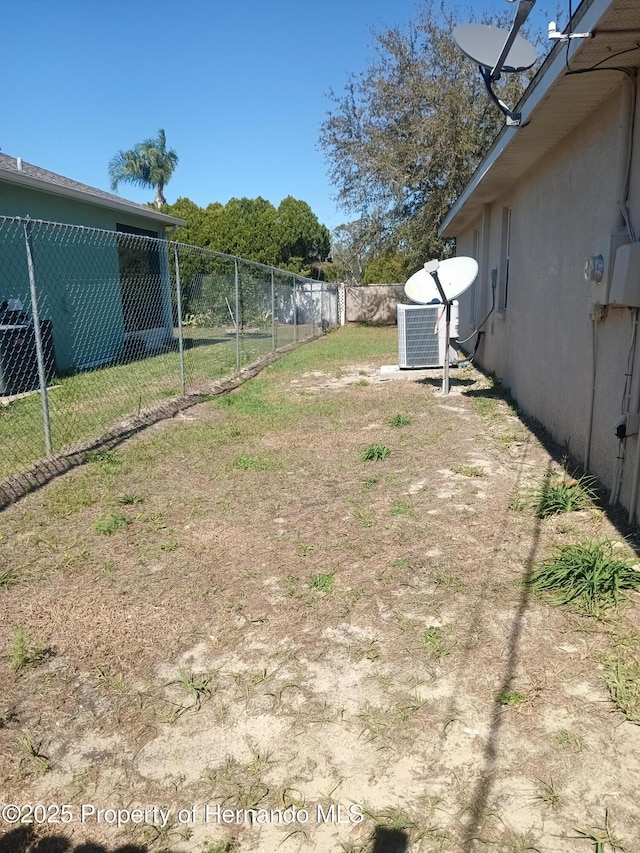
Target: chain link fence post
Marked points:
42	377
273	313
237	318
295	309
183	383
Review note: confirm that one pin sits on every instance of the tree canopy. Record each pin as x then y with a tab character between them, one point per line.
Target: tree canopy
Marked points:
147	164
404	137
289	236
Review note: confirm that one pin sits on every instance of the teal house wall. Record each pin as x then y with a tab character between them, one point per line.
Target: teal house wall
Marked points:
77	272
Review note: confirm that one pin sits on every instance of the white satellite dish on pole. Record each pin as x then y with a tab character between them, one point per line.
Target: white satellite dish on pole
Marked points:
483	45
442	281
455	276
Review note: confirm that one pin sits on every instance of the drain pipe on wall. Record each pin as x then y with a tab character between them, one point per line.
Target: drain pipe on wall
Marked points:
628	120
630	403
592	395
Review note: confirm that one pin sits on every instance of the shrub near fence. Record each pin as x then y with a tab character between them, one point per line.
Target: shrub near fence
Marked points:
97	326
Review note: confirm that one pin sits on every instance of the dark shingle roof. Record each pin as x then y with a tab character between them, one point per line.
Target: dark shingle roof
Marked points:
18	171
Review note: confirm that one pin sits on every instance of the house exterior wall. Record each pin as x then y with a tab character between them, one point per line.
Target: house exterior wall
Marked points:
16	200
77	276
541	344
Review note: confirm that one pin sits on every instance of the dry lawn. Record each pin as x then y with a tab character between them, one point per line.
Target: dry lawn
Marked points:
236	609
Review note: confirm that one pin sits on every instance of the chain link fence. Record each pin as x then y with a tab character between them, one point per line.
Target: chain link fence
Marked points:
99	326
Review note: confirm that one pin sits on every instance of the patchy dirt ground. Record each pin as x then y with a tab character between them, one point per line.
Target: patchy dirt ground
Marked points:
238	611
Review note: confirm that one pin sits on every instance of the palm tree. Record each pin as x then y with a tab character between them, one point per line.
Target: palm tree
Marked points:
147	164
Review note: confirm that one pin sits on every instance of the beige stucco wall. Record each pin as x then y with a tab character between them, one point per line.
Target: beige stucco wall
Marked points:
374	303
541	346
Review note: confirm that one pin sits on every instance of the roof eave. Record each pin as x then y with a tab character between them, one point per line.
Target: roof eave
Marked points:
552	70
15	177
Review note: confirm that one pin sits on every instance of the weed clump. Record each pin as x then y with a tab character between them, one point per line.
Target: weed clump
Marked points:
555	496
24	652
375	452
586	576
622	676
111	522
322	582
399	420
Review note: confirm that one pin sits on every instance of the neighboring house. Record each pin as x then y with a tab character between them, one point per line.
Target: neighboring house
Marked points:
103	292
561	189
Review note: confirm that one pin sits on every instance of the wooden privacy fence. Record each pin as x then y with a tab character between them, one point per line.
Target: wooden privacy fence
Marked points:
374	303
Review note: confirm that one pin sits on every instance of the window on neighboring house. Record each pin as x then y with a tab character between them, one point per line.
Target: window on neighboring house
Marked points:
505	252
140	279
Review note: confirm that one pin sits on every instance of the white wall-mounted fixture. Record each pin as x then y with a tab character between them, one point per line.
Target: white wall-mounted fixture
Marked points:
627	425
556	35
598	268
625	282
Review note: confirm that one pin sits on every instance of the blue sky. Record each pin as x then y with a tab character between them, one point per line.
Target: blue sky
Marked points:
241	88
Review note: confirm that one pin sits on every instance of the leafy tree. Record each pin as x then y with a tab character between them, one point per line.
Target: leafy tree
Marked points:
353	247
388	268
246	228
147	164
299	234
405	136
290	237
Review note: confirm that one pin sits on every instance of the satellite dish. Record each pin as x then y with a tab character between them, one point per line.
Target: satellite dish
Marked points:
442	282
455	274
496	50
483	44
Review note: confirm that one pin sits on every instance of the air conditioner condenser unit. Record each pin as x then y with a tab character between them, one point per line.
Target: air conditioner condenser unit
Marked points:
422	335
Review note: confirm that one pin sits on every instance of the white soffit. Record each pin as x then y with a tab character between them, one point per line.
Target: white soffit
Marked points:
553	105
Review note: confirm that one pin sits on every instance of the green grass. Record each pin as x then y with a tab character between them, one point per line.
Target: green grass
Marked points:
222	845
569	739
512	698
548	792
399	420
469	470
322	582
8	577
32	755
25	652
621	665
488	408
558	495
374	452
107	461
198	687
111	522
349	344
130	499
87	404
252	463
433	640
603	837
586	576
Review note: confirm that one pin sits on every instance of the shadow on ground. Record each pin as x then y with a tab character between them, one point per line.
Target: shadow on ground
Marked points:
454	381
561	455
24	840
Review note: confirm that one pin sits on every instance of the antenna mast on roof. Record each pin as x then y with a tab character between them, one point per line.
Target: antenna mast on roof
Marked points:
496	51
